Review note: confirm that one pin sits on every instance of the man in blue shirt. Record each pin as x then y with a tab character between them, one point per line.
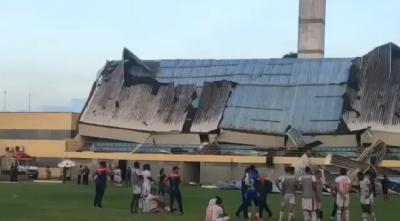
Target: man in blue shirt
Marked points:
251	196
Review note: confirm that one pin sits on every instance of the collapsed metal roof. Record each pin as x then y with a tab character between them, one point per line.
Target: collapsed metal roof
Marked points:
374	91
252	95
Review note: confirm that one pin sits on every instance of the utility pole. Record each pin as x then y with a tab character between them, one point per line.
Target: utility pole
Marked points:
29	102
5	100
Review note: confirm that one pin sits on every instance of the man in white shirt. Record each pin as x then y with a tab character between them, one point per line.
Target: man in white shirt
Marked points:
366	197
153	203
146	180
309	195
343	187
137	183
215	211
287	184
318	186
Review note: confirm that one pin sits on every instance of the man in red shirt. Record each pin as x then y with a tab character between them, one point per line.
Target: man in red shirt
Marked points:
100	178
175	181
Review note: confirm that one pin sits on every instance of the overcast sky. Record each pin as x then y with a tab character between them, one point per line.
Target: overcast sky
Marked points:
53	49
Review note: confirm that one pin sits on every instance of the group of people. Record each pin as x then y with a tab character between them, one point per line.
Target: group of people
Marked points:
255	189
311	186
83	175
145	195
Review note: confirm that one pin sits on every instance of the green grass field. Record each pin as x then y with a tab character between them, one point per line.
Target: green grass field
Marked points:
57	202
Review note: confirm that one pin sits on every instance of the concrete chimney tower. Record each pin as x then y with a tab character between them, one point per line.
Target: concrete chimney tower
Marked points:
311	39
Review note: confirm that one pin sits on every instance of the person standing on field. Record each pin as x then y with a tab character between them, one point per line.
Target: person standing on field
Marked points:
100	178
175	181
318	186
48	173
64	174
307	182
385	188
243	189
128	177
252	196
264	188
161	183
86	173
80	173
147	180
366	197
288	190
343	188
137	185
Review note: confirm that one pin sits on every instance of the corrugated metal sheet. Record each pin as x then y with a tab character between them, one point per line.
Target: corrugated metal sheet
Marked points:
139	106
270	95
374	91
271	109
211	106
256	71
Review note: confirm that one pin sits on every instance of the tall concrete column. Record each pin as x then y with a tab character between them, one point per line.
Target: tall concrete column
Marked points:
311	39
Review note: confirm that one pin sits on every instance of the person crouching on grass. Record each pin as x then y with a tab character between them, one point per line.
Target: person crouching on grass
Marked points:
215	210
100	178
153	203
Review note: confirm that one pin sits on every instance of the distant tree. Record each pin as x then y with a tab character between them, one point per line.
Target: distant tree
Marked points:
290	55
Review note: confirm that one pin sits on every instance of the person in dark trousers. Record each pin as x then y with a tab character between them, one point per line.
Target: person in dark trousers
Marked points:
86	173
80	173
48	173
137	184
161	183
175	181
64	174
335	207
385	188
372	177
128	177
14	172
264	189
69	173
251	196
100	178
243	189
110	167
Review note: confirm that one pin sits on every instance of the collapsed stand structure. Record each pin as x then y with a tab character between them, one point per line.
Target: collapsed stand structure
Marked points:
246	107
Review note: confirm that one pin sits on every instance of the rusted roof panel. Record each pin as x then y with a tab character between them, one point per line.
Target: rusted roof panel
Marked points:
263	95
374	91
137	105
211	106
269	94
